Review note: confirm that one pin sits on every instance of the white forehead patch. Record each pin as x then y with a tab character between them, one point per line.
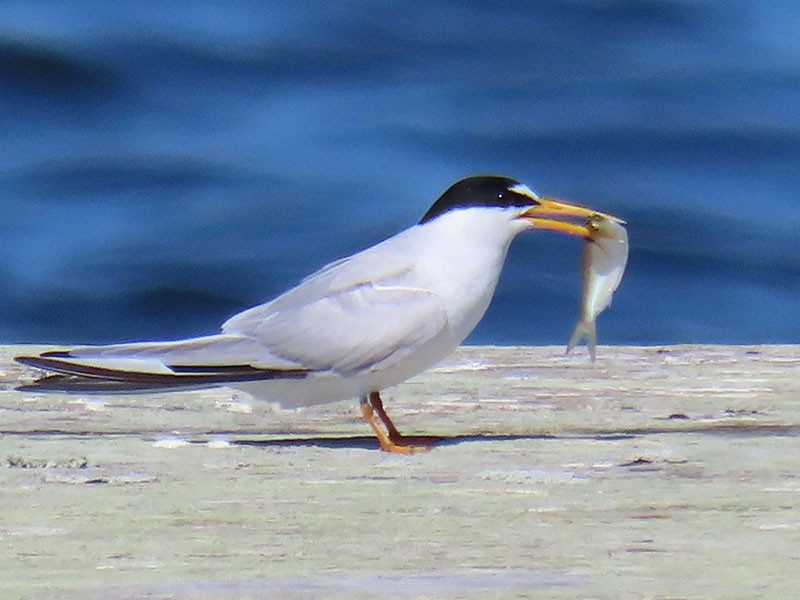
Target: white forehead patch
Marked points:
523	189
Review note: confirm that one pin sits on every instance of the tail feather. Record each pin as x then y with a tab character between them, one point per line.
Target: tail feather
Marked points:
171	373
193	363
584	330
92	385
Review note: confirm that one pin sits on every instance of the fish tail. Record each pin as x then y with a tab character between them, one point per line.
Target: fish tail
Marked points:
584	330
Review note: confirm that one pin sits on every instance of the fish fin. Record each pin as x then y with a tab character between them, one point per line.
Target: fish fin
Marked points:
584	330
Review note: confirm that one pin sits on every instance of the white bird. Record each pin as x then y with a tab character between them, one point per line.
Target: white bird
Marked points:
353	328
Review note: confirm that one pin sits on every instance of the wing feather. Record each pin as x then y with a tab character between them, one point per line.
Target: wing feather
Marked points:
212	350
360	313
364	328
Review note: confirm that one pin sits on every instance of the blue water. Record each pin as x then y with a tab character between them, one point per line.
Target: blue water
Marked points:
163	165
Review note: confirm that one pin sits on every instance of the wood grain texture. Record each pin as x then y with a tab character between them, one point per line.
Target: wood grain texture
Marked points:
659	472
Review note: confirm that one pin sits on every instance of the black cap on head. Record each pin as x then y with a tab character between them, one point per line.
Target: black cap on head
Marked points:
481	190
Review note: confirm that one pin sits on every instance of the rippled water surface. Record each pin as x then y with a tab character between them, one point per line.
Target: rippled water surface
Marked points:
163	166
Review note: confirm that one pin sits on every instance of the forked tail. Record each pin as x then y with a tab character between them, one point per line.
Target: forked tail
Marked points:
584	330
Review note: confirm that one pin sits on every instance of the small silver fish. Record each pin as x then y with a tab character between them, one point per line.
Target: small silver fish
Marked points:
603	261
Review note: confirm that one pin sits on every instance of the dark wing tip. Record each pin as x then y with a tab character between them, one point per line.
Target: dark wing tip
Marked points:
93	385
39	359
72	377
33	361
56	354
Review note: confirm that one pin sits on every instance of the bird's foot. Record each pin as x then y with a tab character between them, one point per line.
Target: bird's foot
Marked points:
390	440
403	446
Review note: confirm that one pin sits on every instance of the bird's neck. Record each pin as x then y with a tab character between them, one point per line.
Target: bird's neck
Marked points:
470	241
465	255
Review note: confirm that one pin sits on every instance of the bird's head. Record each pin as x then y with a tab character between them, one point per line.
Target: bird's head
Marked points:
526	208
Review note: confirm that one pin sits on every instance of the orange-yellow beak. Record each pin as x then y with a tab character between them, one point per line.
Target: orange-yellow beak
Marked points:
565	218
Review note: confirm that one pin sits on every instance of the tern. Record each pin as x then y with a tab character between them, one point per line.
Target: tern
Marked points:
355	327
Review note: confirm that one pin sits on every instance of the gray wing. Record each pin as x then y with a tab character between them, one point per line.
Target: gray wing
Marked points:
363	312
356	314
159	365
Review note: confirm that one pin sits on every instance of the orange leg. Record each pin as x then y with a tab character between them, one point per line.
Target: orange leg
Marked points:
377	404
393	441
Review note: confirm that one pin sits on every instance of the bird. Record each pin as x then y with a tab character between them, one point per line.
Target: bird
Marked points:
353	328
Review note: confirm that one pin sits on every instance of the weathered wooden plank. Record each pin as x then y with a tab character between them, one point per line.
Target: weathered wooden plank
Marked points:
655	473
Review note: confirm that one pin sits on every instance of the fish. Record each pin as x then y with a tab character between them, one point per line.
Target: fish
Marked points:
605	254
